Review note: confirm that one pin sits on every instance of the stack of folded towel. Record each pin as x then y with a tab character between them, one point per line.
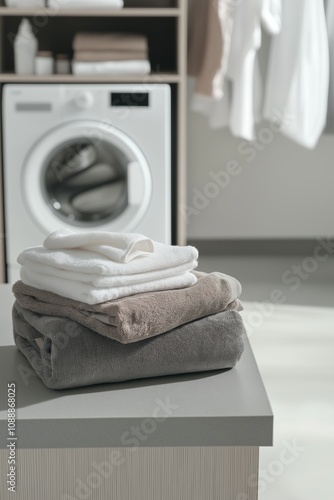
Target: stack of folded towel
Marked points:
110	53
85	4
107	307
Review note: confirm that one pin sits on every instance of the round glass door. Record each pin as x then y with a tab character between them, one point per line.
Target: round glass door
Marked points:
72	180
86	183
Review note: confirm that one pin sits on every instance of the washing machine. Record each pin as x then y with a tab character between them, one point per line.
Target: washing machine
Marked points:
85	157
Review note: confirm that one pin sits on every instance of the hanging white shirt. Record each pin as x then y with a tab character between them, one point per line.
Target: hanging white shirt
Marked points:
298	73
330	30
241	103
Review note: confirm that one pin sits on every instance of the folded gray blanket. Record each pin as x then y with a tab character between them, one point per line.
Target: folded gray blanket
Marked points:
65	354
140	316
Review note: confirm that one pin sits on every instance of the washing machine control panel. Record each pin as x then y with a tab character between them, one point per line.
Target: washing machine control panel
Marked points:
84	99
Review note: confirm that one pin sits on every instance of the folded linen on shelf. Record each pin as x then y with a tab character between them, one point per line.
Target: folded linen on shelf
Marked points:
110	55
25	3
65	354
77	290
85	4
132	67
109	41
139	317
119	247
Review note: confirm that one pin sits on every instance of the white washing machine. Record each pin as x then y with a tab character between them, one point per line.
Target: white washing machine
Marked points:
85	157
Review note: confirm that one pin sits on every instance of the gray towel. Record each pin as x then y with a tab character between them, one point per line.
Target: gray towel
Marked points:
65	354
140	316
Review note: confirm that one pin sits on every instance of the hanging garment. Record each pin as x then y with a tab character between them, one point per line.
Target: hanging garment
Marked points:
330	31
209	44
298	73
239	102
198	15
241	106
246	40
271	16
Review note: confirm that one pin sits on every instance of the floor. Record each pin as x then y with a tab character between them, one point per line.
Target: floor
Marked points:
260	275
292	335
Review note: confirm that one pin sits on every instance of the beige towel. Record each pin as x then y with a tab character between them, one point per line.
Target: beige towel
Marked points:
110	55
110	41
140	316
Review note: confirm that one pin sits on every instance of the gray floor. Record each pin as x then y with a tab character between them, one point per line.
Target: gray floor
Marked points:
293	344
260	275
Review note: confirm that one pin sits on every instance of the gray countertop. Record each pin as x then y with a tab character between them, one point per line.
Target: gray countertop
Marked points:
218	408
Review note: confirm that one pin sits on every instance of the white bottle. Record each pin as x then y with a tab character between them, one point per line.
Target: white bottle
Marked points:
44	63
25	49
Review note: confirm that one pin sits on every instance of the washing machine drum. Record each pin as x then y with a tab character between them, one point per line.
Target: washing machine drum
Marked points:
87	174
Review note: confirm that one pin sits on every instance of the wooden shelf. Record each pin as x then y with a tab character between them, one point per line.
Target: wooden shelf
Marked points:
152	78
126	12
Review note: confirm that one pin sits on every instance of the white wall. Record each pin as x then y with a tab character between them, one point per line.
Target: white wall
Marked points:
281	191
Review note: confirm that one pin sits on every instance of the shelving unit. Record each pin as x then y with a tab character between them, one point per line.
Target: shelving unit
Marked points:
126	12
164	22
152	78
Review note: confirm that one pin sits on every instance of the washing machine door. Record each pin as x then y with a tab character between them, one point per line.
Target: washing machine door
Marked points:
86	174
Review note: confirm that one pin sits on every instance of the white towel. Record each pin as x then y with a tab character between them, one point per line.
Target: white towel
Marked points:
83	261
85	4
119	247
25	3
108	281
111	68
92	277
85	293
